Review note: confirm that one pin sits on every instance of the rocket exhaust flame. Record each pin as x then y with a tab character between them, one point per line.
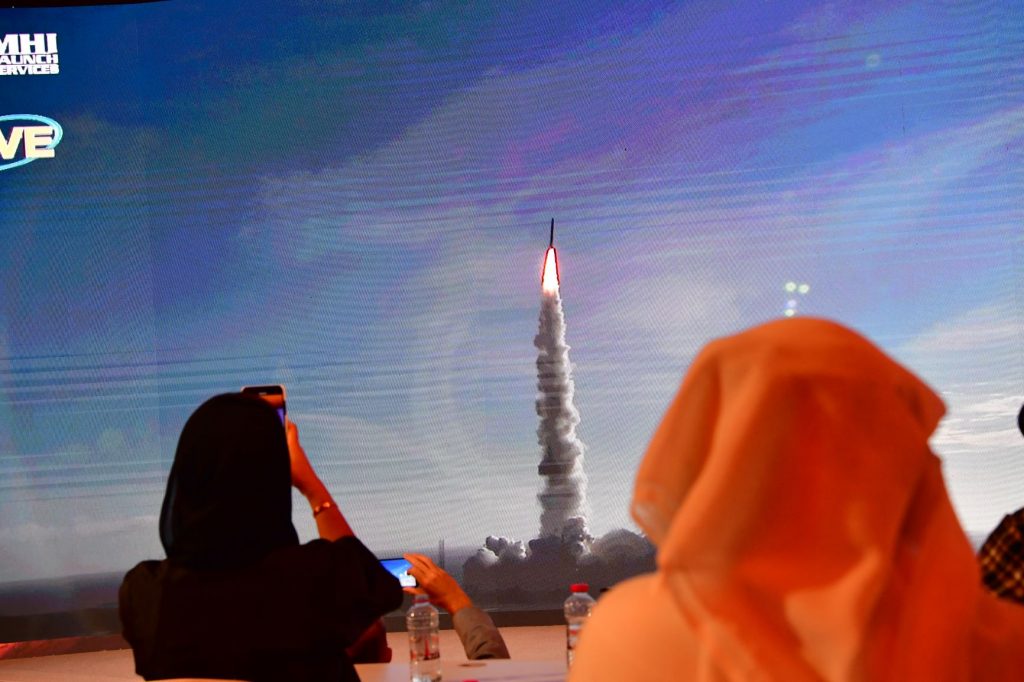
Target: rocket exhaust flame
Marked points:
549	276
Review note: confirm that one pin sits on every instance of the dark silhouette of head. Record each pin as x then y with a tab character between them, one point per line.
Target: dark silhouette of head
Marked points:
228	501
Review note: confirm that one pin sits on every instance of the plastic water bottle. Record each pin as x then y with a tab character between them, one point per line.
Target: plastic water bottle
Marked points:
577	610
424	652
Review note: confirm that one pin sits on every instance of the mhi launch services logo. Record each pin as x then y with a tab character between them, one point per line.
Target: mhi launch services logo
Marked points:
29	54
35	138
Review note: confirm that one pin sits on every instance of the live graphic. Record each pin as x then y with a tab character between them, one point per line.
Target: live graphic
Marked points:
27	137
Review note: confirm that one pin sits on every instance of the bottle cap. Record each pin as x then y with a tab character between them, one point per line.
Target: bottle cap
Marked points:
579	587
420	598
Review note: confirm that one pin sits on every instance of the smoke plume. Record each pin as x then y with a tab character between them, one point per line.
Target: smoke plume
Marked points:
539	571
563	496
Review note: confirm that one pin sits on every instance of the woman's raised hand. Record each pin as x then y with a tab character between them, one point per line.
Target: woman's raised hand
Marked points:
303	476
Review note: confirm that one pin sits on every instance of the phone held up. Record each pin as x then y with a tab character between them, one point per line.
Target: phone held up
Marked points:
400	569
273	394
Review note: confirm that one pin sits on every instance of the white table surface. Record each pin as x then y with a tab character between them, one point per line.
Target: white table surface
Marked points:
465	671
117	666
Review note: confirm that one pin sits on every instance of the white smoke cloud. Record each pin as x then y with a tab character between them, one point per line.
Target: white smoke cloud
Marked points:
541	570
506	570
565	488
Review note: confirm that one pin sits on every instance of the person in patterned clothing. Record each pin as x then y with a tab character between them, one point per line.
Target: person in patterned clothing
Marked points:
1002	555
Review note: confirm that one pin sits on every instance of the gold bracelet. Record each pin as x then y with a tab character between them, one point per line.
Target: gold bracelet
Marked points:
323	506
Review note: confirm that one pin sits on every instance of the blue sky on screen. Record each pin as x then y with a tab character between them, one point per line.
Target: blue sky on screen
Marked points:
354	202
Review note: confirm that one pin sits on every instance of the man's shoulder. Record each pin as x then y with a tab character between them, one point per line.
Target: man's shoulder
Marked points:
637	632
1009	531
640	593
1001	558
629	591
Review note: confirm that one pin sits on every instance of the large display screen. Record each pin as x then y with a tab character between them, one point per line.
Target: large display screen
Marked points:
354	200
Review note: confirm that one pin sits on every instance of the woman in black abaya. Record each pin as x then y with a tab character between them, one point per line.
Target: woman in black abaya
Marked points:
237	596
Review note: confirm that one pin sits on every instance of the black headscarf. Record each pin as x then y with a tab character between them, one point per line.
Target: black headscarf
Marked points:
228	501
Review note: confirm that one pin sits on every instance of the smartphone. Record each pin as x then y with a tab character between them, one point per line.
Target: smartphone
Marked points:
273	394
400	569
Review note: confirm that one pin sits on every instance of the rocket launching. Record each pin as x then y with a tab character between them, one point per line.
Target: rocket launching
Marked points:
564	550
564	494
549	279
